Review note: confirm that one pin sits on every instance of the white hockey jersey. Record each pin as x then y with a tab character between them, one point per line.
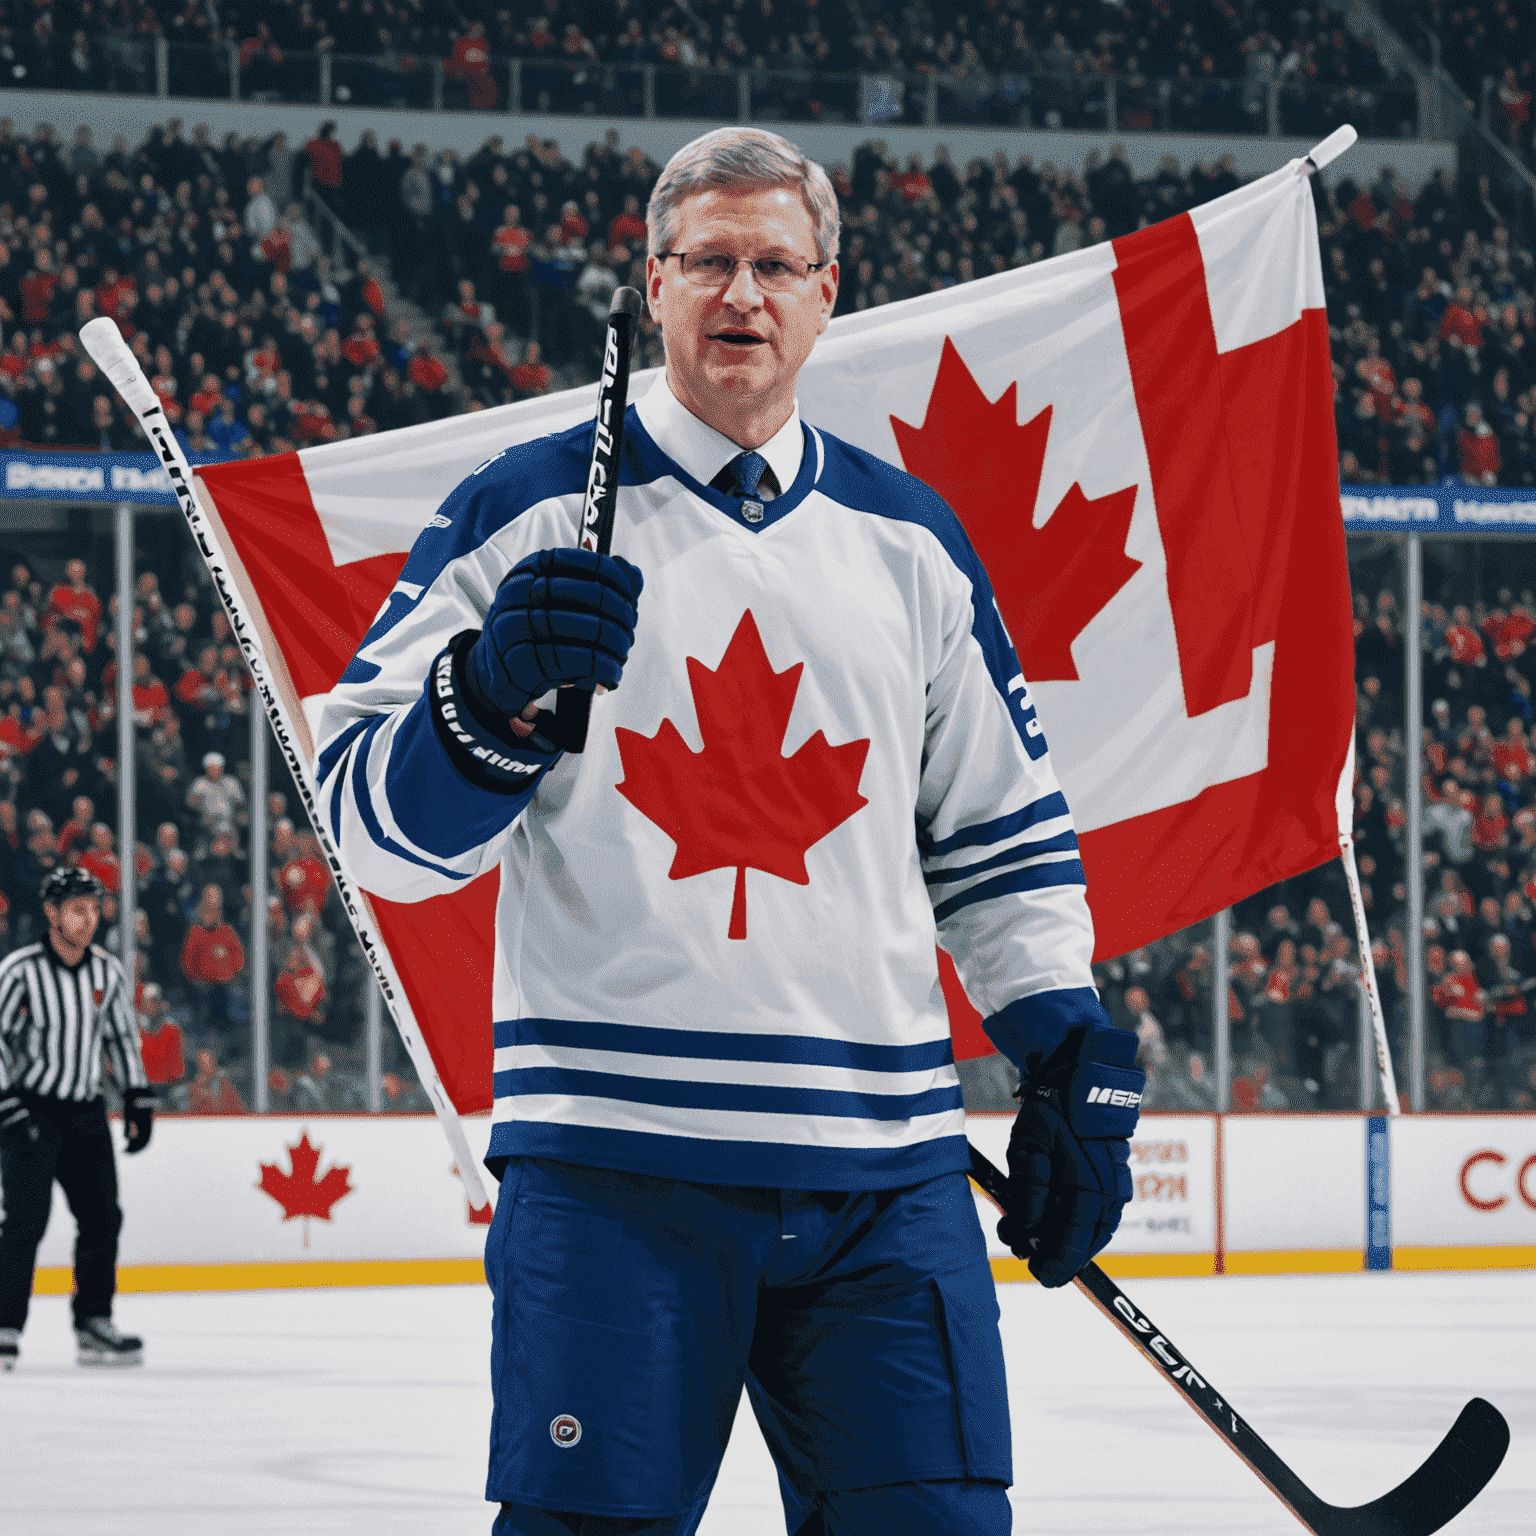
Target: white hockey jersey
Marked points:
715	935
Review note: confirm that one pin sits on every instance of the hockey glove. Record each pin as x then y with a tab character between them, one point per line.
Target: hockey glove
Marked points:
18	1130
560	616
1068	1157
138	1118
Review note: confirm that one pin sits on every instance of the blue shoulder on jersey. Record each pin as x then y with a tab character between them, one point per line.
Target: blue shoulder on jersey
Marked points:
859	479
482	503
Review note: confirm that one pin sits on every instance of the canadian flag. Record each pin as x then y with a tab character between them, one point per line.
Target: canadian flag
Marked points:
1138	438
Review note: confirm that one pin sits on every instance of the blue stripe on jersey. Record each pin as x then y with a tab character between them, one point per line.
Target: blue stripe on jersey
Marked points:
860	480
1047	808
483	502
433	803
371	823
1036	878
1063	842
1028	1029
335	749
744	1098
771	1164
710	1045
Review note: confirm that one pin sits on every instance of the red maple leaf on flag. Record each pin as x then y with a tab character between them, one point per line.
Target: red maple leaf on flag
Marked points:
740	802
1050	581
299	1192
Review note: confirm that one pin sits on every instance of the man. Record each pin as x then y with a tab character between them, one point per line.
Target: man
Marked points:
728	1124
62	1002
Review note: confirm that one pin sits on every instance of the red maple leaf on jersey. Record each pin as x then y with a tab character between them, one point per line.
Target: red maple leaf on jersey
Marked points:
1050	581
740	802
300	1193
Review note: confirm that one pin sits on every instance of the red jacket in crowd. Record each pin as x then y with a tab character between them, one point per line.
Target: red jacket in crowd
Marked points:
164	1053
82	606
306	883
325	161
301	993
212	956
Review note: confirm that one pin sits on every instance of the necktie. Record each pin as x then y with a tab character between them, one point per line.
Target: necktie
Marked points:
748	469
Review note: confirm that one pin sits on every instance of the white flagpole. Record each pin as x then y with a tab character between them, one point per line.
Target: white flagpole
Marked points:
113	356
1368	977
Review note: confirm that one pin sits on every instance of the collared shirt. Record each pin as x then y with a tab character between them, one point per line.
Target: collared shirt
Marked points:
704	452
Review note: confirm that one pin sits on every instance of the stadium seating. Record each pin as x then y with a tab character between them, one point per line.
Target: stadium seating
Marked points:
258	341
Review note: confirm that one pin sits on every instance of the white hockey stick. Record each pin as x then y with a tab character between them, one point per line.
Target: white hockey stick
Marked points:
112	355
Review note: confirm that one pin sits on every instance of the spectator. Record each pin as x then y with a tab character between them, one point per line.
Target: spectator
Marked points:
211	958
218	799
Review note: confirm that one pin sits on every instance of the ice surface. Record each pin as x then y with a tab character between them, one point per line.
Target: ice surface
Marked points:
365	1410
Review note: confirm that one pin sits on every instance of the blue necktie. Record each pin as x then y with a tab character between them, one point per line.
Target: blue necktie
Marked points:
748	468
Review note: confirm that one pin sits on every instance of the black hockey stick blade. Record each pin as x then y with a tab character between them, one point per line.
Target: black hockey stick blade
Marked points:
567	726
1456	1472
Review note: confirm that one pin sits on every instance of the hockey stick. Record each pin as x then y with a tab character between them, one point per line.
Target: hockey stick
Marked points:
567	727
1457	1470
113	356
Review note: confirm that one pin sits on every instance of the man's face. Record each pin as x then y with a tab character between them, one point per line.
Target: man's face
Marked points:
74	919
736	346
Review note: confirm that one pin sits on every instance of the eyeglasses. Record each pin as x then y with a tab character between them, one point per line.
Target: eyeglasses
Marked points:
714	269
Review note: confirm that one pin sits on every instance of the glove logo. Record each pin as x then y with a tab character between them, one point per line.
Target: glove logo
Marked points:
565	1430
1121	1098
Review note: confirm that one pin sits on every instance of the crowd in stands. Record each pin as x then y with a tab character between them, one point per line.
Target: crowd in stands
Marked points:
1488	47
1433	326
1294	988
1182	64
259	340
194	905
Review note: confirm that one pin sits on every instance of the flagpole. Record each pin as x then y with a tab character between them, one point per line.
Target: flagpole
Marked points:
1368	976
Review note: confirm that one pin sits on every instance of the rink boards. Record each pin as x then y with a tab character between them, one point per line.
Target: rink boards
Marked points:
248	1202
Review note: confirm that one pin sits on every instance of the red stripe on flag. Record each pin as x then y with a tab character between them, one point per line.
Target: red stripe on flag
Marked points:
1155	874
317	611
1171	343
443	950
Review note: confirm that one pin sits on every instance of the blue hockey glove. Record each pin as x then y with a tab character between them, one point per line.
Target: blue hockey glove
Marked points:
1068	1157
560	616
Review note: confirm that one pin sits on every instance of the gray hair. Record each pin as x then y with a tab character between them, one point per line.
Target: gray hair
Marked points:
738	158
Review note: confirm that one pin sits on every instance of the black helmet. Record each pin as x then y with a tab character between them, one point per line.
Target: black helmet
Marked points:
62	883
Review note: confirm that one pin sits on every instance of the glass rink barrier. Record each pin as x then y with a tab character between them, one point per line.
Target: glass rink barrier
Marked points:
253	994
1263	1095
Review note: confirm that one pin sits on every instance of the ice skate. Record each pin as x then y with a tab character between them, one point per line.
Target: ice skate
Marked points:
101	1344
10	1348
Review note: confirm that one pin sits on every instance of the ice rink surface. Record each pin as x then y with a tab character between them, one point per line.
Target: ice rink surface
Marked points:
366	1410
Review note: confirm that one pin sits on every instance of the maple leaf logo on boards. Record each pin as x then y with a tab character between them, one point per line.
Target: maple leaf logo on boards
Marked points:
974	453
299	1192
740	802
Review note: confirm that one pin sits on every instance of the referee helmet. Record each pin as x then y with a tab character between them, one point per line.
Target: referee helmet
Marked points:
62	883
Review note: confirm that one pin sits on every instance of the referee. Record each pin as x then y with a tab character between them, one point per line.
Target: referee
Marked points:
62	1001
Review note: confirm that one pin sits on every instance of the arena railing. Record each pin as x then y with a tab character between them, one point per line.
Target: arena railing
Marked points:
131	488
1074	99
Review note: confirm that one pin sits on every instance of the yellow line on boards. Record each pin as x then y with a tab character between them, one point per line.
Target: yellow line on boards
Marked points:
57	1281
1513	1256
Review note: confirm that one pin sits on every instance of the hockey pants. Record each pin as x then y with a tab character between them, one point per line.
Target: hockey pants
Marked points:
74	1146
630	1311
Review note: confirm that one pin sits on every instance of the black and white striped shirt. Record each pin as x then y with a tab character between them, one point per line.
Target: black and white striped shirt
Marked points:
56	1019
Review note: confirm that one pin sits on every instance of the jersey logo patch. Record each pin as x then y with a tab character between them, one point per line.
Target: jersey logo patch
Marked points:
97	994
565	1430
740	802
